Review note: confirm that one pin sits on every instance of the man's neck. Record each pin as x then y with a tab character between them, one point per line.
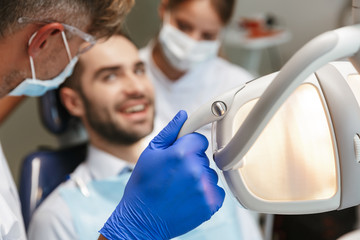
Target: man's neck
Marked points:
128	153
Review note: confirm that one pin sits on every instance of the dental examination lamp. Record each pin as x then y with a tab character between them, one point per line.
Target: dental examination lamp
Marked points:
288	142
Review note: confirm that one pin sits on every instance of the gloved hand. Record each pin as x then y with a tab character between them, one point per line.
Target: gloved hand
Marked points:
171	191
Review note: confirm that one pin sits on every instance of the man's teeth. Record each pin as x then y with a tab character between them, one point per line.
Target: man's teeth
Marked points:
136	108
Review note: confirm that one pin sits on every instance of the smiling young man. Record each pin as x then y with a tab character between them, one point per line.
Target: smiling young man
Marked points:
112	96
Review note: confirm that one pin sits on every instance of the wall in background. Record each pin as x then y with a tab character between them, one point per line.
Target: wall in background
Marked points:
303	19
143	22
23	132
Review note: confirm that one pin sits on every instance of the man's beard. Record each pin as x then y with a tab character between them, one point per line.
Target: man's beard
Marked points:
109	130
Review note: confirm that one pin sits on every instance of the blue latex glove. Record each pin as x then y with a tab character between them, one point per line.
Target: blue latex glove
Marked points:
171	191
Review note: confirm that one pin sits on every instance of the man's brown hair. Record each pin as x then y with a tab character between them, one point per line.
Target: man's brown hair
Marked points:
73	81
101	17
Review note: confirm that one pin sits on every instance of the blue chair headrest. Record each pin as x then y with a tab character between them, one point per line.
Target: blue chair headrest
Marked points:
53	114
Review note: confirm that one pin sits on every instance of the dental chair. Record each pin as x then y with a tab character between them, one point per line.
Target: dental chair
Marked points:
43	170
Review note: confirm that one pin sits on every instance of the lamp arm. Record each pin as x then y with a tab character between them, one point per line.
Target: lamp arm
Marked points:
329	46
210	112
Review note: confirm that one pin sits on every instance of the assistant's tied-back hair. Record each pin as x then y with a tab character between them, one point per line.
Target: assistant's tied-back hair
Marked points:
102	17
224	8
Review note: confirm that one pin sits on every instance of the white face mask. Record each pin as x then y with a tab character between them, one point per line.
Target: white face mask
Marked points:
34	87
182	51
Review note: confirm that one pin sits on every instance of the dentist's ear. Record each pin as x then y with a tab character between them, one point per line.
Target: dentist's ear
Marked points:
40	39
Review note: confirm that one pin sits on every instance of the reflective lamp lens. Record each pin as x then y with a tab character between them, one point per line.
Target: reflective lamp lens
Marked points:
293	159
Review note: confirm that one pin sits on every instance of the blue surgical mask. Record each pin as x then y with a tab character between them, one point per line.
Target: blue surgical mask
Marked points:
34	87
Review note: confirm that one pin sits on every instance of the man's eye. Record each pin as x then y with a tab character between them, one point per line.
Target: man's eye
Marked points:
110	77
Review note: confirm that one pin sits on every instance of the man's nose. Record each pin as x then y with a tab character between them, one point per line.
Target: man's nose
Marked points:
133	84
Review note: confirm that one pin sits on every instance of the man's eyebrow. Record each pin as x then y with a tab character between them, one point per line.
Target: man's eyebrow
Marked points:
106	69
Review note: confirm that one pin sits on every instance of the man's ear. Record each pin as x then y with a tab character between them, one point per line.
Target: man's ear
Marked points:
41	38
72	101
163	8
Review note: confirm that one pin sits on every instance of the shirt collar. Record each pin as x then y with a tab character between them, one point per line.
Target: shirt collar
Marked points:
103	165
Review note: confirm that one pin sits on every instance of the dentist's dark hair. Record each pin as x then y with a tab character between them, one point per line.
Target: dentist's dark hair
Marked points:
224	8
101	18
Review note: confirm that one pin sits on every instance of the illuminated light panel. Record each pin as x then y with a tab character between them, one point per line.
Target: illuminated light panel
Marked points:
293	159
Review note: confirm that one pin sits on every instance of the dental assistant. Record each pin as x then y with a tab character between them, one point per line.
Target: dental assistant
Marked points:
186	71
40	42
183	61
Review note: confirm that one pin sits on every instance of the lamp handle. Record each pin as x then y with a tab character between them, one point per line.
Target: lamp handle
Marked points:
212	111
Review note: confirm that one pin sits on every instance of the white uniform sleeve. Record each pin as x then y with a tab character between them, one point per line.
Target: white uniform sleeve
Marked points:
10	225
